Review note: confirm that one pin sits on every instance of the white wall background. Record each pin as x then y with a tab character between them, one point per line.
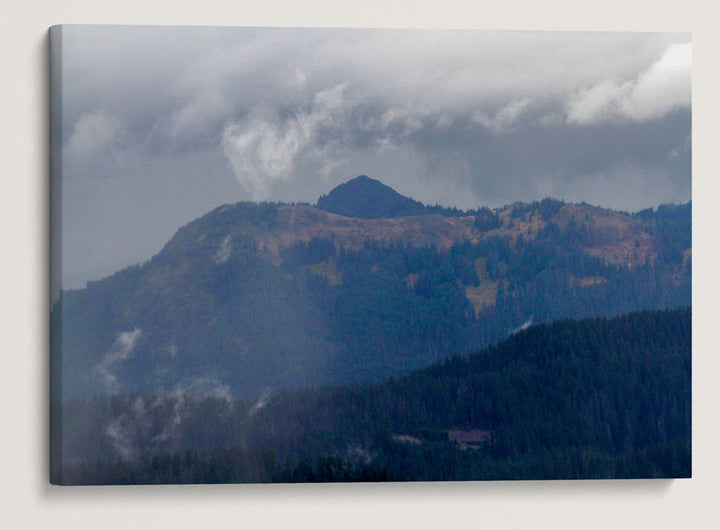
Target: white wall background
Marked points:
26	499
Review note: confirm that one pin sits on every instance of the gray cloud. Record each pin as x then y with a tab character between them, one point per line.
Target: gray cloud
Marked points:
163	123
663	87
262	151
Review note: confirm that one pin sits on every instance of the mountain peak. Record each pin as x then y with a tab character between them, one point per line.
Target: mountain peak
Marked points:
364	178
365	197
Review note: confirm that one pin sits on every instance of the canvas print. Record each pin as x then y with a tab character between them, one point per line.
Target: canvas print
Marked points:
343	255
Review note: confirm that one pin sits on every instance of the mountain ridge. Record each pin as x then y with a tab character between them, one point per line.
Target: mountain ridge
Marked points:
258	295
620	238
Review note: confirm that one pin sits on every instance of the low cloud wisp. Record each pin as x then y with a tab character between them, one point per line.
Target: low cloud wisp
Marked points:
265	150
120	351
150	424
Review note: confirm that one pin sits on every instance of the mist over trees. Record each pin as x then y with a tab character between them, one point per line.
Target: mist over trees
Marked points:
596	398
265	342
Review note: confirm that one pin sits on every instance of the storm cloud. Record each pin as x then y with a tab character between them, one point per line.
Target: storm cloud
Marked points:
161	124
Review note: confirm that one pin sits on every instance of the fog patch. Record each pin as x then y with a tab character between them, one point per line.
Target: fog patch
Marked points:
523	326
261	402
223	253
120	351
157	423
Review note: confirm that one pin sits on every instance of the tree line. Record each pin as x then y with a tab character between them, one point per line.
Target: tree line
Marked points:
595	398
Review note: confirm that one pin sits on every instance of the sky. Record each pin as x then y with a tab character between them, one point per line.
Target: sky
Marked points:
159	125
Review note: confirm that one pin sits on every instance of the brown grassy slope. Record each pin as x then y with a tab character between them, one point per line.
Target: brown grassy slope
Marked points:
616	238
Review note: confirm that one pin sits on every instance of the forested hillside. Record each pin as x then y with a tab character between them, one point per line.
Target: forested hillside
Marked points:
283	335
257	296
597	398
